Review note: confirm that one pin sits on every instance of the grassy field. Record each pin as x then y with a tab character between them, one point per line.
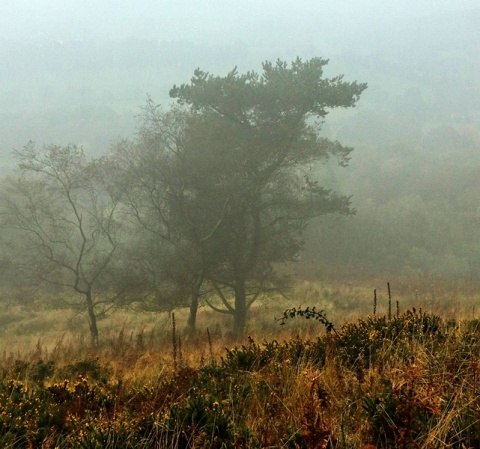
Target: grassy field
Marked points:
411	381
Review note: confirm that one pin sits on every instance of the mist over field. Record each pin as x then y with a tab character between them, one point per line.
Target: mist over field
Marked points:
80	73
239	224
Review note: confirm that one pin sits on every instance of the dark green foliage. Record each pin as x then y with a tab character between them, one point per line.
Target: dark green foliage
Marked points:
19	369
38	371
308	313
371	337
251	357
26	417
382	415
90	368
42	371
201	417
255	356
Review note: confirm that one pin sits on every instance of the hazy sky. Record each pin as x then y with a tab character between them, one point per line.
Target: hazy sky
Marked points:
204	20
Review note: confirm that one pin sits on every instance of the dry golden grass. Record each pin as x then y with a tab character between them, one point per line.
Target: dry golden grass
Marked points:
26	330
342	401
138	346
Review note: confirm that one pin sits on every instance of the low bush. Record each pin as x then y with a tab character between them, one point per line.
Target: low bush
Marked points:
408	382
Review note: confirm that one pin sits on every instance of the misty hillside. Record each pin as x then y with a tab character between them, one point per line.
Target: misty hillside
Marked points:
416	130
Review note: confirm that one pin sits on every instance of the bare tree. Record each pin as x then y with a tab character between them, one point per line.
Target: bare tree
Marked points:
65	210
153	176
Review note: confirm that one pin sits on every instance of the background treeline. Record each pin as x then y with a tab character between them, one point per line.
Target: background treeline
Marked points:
417	210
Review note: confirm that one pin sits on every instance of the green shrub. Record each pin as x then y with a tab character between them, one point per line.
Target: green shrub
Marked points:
368	338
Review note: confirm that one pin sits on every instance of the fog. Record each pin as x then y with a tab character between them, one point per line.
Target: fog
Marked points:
280	22
153	216
79	72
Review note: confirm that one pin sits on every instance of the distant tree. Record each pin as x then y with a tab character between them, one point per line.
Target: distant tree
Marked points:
252	143
170	239
65	210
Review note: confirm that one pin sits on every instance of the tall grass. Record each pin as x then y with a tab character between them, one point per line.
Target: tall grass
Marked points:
411	381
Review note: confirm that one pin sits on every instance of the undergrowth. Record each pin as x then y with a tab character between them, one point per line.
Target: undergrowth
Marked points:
408	382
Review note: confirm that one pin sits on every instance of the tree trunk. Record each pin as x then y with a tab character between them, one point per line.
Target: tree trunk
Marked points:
240	315
92	318
192	318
